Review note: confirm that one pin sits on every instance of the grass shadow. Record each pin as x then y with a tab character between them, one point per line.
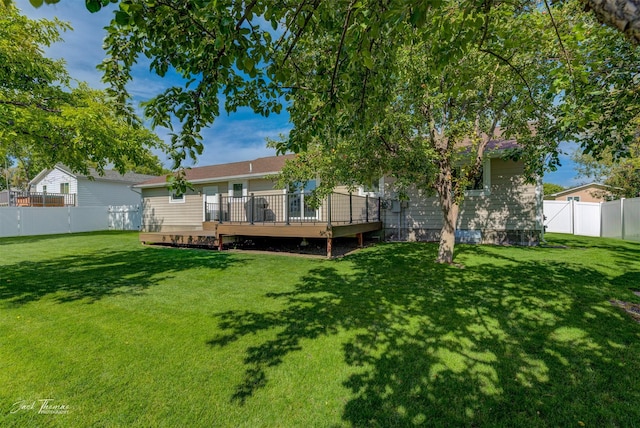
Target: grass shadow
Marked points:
502	344
92	276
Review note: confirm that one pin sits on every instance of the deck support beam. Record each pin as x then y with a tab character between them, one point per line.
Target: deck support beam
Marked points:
219	242
329	247
360	240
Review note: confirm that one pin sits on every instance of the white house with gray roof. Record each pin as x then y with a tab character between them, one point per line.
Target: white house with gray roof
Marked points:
111	188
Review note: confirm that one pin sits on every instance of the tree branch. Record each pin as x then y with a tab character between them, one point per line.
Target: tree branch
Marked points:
564	51
25	105
342	37
522	78
300	31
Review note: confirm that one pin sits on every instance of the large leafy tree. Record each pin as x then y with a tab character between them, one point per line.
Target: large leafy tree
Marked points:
46	117
330	59
421	105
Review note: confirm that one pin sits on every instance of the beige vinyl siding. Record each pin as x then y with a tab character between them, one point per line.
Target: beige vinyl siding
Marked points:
591	194
263	187
510	206
160	215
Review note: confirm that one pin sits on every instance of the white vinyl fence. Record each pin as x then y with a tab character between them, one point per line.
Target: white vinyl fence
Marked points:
24	221
615	219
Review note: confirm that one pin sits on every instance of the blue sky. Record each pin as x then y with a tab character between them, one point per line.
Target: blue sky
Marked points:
235	137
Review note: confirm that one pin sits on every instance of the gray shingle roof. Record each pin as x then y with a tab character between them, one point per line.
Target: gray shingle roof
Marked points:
257	167
110	175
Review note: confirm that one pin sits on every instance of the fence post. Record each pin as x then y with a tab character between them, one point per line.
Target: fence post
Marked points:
350	208
622	218
379	207
573	214
253	206
366	208
286	208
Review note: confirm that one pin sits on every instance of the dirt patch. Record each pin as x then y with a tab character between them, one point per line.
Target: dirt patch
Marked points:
633	309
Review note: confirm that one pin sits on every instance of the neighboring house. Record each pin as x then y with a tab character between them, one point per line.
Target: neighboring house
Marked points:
111	188
592	192
239	199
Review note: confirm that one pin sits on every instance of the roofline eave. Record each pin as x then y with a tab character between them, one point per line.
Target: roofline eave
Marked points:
211	180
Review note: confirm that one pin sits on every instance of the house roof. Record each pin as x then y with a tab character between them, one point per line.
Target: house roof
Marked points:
599	186
494	146
255	168
108	175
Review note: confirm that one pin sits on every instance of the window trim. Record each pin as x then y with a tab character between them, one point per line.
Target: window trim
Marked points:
486	181
175	200
65	188
245	189
363	192
573	198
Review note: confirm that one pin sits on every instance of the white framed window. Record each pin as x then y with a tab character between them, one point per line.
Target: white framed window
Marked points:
480	185
238	189
64	188
573	198
44	189
176	198
299	209
374	188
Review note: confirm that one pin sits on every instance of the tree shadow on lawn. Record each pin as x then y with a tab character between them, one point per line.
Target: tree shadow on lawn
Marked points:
97	275
531	343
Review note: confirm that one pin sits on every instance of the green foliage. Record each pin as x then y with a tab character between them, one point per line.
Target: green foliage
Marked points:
623	174
46	117
550	188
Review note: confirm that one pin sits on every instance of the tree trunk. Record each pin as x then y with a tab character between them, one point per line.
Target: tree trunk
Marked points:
450	209
448	234
623	15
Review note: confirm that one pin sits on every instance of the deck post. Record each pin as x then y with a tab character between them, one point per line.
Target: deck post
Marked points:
329	211
379	204
366	208
360	240
329	247
286	208
350	208
219	242
253	207
219	198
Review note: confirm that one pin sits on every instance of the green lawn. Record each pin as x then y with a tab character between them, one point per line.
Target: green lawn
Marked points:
124	335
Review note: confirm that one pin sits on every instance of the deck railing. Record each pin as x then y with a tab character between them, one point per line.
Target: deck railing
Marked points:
294	208
36	199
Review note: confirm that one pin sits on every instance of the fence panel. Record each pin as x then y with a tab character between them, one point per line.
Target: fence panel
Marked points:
631	219
558	216
611	219
25	221
44	221
88	219
125	217
586	218
9	221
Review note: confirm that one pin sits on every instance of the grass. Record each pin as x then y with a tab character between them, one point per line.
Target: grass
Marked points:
125	335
